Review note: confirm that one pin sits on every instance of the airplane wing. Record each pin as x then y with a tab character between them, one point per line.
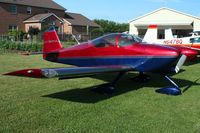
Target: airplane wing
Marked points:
194	48
68	72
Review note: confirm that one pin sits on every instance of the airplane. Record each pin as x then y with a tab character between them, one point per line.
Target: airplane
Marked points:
115	52
192	42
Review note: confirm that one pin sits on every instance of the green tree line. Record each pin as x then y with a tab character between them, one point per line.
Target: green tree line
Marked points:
109	27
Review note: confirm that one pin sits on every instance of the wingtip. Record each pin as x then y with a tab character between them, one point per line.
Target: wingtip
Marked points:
34	73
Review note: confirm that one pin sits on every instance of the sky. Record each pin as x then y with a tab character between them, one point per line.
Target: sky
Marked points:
122	11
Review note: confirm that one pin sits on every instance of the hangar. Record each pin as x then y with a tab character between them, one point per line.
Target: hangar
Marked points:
180	23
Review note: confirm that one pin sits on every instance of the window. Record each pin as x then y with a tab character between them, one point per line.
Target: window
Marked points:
29	9
53	23
12	27
195	40
126	40
138	39
13	9
105	41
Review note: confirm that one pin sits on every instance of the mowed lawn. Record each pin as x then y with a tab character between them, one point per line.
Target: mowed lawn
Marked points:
49	105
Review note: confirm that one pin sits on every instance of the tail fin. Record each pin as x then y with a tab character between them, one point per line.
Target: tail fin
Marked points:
168	34
51	41
151	34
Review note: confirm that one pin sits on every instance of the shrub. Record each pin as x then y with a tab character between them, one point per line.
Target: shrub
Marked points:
20	46
25	46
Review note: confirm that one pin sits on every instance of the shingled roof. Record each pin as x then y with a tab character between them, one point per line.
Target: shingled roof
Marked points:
41	17
36	3
79	20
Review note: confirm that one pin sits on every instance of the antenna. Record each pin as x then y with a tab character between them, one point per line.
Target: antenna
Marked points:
75	38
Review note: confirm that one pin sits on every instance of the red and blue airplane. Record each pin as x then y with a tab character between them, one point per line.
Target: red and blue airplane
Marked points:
117	52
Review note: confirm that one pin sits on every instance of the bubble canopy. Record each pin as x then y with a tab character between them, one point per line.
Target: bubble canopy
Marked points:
116	39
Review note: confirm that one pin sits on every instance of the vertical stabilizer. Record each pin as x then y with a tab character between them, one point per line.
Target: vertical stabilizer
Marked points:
151	34
51	41
168	34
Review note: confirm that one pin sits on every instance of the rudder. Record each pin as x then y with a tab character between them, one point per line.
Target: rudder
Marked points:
51	41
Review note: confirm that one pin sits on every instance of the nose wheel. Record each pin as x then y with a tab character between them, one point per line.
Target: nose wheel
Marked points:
171	90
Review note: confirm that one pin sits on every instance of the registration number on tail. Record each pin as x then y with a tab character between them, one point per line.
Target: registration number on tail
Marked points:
174	41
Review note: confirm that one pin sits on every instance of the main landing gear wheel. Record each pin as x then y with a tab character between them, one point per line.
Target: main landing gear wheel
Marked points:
141	77
108	88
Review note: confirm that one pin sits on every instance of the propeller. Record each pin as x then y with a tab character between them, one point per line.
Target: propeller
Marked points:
180	63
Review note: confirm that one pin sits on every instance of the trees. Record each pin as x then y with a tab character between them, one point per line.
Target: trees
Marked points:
111	26
96	33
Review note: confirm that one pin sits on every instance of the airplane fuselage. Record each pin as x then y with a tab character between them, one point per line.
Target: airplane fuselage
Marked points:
141	57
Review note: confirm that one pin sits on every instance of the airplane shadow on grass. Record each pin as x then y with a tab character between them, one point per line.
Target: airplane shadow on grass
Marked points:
85	95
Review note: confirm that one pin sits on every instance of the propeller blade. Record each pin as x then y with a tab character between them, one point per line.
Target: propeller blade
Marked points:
180	63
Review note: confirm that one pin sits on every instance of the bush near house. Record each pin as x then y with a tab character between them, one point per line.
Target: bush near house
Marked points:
16	35
8	46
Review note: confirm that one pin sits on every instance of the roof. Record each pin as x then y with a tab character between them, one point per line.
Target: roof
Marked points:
41	17
164	8
79	20
166	23
36	3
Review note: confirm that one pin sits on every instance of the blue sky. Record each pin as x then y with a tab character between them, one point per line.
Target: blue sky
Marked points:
126	10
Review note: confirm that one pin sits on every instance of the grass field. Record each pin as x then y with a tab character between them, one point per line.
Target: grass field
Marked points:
38	105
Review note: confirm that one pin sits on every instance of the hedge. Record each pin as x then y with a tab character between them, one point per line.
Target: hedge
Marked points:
25	46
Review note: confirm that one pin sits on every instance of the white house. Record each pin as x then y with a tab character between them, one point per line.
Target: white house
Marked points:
180	23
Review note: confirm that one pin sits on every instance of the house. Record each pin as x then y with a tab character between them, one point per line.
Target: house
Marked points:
24	14
180	23
78	23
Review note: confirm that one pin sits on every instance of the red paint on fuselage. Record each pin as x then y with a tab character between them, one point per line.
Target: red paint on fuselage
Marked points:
89	50
190	53
92	49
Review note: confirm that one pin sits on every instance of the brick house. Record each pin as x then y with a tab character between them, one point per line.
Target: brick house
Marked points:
78	23
23	14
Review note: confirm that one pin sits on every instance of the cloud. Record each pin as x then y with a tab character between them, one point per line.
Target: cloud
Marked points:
167	1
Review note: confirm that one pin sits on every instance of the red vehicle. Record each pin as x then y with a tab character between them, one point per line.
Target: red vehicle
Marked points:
116	52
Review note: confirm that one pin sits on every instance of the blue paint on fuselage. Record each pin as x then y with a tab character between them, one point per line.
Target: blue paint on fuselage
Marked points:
142	64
